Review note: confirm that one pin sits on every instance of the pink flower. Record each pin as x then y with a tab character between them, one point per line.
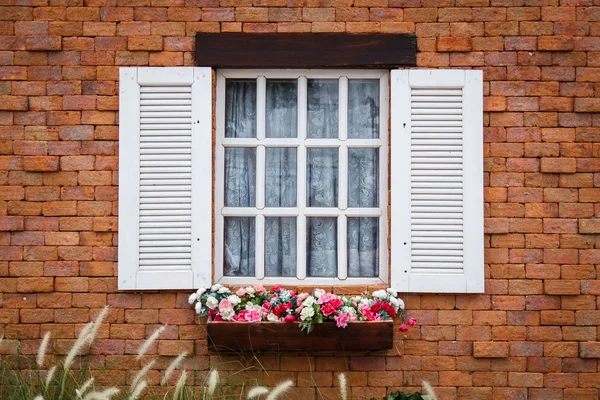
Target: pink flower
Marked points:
253	316
326	298
299	309
330	307
225	306
240	292
403	328
300	298
412	322
289	319
341	320
260	288
276	288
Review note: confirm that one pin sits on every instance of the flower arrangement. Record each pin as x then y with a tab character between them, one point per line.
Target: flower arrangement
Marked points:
255	304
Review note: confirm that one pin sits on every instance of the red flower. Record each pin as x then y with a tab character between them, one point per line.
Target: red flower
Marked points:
276	288
412	322
289	319
218	318
403	328
376	307
266	305
330	307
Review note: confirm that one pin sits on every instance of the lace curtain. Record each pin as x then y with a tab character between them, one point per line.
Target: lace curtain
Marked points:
321	178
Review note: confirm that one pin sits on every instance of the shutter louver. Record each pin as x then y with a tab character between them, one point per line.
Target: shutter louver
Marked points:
437	181
161	136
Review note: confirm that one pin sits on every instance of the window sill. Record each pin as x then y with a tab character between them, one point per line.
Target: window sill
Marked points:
277	336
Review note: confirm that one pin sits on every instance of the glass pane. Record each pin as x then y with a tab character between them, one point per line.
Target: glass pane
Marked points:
240	109
238	254
282	109
363	178
321	246
322	177
323	101
363	246
280	246
240	177
363	108
280	177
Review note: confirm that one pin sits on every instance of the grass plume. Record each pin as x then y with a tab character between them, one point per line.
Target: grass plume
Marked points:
279	390
213	380
343	387
172	368
137	391
146	345
141	374
42	350
180	385
429	390
257	391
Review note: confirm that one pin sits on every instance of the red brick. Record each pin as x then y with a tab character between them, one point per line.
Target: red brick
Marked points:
490	349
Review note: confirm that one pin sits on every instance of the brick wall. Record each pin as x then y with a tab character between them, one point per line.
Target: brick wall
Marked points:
533	333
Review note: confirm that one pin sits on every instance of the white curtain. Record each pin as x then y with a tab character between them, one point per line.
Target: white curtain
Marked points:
321	175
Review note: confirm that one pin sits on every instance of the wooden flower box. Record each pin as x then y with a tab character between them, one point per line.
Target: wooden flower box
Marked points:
277	336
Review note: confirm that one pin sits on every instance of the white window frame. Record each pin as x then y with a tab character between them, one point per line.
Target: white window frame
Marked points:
343	144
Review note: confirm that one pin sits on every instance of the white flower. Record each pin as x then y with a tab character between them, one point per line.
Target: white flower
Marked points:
318	293
272	317
227	315
200	292
223	290
192	298
349	310
212	303
392	292
307	313
250	290
396	303
198	307
309	301
380	294
233	299
216	287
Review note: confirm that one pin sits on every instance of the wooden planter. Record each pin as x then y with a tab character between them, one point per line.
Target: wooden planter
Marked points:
277	336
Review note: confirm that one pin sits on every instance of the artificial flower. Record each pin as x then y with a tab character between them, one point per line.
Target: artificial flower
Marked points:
412	322
403	328
212	303
306	313
192	299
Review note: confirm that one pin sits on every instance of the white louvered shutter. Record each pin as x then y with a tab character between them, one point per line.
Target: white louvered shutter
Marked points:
437	181
165	178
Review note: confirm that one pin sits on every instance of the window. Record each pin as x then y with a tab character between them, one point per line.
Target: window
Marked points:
298	191
301	188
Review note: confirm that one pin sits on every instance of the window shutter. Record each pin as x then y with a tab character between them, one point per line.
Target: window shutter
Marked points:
437	181
165	178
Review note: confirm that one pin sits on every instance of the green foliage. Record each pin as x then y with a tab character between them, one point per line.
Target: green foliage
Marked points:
405	396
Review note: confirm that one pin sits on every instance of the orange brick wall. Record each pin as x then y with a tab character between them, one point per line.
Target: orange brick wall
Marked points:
533	333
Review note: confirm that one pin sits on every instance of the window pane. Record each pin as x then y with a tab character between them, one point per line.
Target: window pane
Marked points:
322	177
238	253
280	246
363	247
282	109
363	108
323	101
280	177
363	178
240	177
321	246
240	109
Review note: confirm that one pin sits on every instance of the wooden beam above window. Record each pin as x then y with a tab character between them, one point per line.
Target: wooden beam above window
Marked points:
302	50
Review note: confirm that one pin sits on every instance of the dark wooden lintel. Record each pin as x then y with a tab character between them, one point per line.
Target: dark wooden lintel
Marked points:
304	50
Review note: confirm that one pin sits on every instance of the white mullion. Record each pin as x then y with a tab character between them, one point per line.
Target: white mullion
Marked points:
260	177
220	180
301	180
253	142
280	212
322	143
239	211
343	177
261	89
364	212
343	108
371	143
322	212
342	247
259	247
